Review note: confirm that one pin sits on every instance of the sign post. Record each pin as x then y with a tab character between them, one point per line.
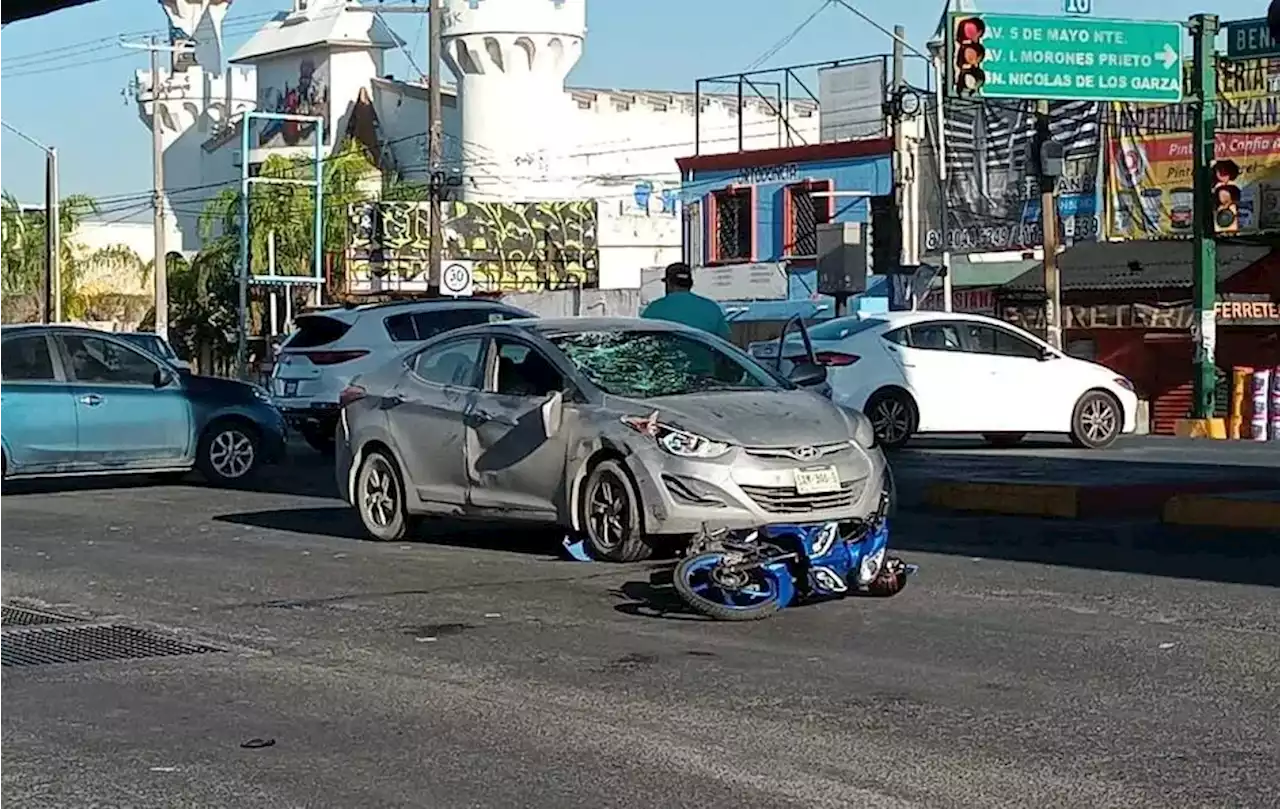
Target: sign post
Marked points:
1204	84
1064	58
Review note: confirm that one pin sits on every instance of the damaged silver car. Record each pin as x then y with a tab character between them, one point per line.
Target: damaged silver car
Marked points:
621	430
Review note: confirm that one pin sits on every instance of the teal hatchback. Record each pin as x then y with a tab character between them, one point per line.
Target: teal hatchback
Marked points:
77	401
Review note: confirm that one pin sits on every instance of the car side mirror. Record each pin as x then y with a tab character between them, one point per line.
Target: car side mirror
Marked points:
162	378
1046	355
807	374
552	414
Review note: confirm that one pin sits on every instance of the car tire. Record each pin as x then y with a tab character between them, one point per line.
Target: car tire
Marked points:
379	498
229	452
611	515
1003	439
1097	420
893	416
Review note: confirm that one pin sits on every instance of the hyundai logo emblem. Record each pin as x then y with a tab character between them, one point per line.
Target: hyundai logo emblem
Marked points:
804	453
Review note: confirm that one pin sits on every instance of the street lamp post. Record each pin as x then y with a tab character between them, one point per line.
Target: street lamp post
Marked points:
51	281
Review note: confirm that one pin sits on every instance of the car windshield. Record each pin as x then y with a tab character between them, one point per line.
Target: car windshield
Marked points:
646	364
149	342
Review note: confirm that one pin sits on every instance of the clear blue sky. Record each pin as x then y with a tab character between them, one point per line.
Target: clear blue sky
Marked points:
63	75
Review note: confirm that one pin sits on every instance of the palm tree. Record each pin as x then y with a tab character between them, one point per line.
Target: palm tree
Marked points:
24	255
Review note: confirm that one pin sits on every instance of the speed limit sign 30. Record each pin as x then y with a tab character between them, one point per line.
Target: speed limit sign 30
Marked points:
457	279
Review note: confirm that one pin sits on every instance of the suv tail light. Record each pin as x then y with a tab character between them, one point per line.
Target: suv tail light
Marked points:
835	358
351	393
333	357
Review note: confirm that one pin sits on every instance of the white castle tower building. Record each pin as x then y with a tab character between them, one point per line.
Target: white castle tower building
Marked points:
510	59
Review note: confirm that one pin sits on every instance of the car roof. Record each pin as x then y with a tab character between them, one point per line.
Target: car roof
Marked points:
555	325
64	327
905	318
350	314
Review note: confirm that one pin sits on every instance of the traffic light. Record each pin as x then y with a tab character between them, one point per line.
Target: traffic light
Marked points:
1226	196
886	235
969	55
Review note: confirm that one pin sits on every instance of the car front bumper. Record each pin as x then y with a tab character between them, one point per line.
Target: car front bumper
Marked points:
684	496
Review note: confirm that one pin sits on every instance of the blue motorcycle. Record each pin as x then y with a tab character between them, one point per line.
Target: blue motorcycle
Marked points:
752	576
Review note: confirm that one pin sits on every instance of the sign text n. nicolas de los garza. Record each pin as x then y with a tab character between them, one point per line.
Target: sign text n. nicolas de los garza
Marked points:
1074	58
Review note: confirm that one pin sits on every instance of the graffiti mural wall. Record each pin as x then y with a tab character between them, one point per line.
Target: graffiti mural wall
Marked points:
301	88
520	247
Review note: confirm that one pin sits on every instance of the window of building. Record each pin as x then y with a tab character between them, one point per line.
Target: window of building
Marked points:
733	225
803	213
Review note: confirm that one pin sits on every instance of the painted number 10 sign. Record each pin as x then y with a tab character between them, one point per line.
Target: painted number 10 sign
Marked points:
1077	6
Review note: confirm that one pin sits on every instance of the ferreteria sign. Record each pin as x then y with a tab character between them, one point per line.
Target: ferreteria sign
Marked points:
1065	58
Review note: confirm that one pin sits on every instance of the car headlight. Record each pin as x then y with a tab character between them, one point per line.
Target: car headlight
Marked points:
676	441
864	434
1123	383
260	393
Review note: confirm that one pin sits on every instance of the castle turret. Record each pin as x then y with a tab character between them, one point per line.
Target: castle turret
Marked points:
510	58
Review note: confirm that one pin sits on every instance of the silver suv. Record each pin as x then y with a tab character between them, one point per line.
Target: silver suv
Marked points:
331	346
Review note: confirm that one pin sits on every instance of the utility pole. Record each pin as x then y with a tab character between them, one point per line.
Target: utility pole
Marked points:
435	124
897	83
50	295
1204	88
435	129
53	240
1048	179
159	272
940	150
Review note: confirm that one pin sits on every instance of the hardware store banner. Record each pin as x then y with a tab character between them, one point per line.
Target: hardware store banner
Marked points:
1149	181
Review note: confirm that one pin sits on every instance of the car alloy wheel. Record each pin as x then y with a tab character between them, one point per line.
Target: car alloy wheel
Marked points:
609	512
380	494
891	419
231	454
1099	420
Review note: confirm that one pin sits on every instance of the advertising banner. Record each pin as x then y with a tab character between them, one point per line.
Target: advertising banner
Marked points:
991	198
1149	182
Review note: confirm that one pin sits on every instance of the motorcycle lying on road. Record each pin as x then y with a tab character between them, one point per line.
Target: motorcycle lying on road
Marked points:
752	576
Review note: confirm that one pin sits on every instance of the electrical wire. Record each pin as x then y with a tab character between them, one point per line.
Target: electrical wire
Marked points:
786	40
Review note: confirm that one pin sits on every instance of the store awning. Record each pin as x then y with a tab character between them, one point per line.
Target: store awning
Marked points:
15	10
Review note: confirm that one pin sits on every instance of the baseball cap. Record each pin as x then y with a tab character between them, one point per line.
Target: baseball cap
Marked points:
679	273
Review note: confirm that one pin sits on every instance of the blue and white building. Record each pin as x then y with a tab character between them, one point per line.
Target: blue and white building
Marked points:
751	222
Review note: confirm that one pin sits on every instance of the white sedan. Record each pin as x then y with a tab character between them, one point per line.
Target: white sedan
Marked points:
945	372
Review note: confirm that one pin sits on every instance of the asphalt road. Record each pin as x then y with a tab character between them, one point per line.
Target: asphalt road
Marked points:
479	670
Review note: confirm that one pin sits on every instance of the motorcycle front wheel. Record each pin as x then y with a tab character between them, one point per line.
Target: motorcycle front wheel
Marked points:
708	588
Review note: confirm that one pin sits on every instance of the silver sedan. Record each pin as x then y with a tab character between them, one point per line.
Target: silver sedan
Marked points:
620	430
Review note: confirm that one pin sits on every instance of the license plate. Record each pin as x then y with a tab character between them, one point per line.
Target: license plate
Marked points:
291	387
822	480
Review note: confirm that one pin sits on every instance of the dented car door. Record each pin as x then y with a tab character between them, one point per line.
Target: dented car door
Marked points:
515	453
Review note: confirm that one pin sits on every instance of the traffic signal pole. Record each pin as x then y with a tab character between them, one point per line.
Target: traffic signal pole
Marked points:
1049	231
1204	87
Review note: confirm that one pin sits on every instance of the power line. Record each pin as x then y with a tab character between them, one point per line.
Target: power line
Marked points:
786	40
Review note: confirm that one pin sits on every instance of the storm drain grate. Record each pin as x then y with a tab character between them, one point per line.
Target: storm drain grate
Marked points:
27	616
51	645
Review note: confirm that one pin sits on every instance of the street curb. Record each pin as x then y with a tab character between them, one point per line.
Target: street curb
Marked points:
1221	512
1074	502
1026	499
1215	429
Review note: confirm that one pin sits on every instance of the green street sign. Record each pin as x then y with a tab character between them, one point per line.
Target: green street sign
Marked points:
1064	58
1250	39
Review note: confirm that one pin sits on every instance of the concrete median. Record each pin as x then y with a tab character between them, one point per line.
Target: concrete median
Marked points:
1258	510
1072	501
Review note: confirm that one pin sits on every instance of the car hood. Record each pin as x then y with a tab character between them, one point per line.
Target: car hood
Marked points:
231	390
772	418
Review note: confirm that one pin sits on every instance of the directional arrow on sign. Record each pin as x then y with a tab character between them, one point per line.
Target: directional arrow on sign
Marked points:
1168	55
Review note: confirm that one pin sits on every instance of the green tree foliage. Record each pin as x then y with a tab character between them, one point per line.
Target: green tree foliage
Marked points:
22	250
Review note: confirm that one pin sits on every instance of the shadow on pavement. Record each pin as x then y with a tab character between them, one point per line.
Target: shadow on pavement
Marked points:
343	522
1145	547
655	597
